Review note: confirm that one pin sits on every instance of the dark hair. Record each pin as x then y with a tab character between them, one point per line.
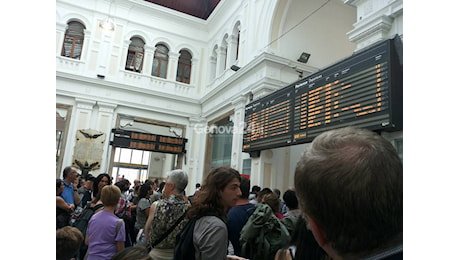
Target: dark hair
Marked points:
209	199
161	186
290	198
96	191
263	192
122	185
350	182
58	183
306	246
277	192
67	170
91	178
244	186
145	188
255	189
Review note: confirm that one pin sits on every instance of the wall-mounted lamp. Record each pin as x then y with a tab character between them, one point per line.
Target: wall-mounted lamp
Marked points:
108	24
235	68
304	57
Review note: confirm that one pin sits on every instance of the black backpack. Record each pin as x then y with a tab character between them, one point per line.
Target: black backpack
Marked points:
184	248
83	219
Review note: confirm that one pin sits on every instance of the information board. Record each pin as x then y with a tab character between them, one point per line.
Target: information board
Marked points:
364	90
269	120
148	142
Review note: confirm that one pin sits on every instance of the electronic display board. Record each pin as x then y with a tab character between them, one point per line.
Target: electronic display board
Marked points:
269	120
364	90
148	142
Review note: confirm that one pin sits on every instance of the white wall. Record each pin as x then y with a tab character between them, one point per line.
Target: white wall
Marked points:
268	52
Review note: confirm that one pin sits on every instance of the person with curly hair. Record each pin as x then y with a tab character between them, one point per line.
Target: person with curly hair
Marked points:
220	191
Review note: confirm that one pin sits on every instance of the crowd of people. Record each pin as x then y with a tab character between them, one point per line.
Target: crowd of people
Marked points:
346	203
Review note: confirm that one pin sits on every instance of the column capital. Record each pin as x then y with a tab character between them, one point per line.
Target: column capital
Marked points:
84	103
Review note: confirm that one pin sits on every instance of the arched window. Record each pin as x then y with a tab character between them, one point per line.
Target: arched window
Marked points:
237	45
184	67
160	61
73	40
135	55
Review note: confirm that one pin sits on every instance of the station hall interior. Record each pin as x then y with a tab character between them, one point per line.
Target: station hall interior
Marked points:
177	78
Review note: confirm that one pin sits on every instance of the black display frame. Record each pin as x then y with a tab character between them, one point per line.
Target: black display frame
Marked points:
378	109
148	142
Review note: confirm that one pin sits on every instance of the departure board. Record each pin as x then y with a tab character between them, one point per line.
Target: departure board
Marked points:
364	90
269	120
148	142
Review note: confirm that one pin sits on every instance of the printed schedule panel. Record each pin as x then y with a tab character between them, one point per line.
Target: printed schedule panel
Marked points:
364	90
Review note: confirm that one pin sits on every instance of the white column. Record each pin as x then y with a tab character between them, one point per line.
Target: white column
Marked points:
172	65
86	43
238	128
232	42
262	169
80	119
148	60
194	72
196	135
103	56
60	32
221	51
212	68
105	121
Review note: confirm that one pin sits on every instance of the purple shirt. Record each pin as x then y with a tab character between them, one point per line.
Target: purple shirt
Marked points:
102	238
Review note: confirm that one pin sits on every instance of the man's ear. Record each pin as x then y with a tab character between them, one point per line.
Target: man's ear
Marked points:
317	231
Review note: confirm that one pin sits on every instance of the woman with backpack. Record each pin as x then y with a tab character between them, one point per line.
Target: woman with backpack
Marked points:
208	212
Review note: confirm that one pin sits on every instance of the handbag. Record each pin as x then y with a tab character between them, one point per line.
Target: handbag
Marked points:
140	238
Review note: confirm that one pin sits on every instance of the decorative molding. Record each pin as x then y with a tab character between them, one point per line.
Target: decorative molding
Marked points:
376	29
62	112
106	107
85	104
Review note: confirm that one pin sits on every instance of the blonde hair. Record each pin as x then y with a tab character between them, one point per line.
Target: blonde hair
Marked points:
110	195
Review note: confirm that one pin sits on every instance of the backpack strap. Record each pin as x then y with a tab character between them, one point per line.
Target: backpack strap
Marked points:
96	207
169	230
118	225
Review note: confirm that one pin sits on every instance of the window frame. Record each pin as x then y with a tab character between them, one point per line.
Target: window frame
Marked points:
74	36
182	64
162	59
136	51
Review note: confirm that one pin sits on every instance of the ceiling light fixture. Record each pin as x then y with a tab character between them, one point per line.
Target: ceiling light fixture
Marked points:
107	24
